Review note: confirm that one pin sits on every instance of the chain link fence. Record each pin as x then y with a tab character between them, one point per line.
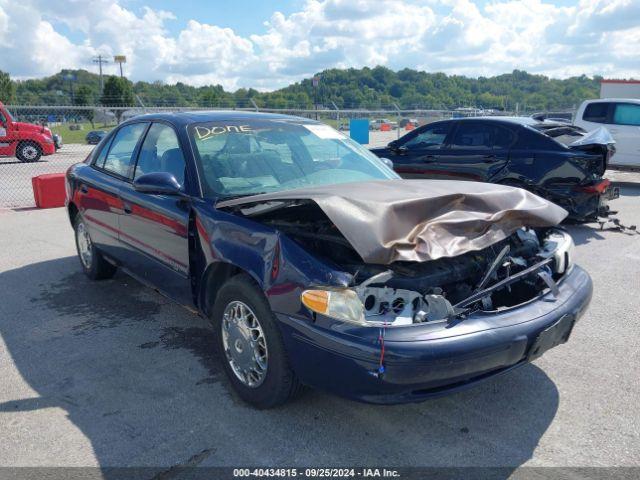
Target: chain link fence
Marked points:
76	130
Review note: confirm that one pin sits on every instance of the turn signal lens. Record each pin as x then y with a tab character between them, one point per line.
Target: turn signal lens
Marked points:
316	300
341	304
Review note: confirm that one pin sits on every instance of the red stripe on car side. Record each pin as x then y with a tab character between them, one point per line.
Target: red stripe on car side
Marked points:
129	237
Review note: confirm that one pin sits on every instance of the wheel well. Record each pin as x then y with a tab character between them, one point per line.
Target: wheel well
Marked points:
214	277
73	212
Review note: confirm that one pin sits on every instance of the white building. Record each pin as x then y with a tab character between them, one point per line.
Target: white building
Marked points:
620	89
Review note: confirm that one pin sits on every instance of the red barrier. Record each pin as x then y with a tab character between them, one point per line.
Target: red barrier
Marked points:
48	190
409	126
385	127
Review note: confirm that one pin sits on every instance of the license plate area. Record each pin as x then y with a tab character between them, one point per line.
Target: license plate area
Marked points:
612	193
552	336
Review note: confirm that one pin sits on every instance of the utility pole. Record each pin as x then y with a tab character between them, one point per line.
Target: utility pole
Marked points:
337	115
316	83
395	105
100	60
71	77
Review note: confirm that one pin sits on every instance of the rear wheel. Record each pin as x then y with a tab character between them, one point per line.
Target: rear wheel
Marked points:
28	152
93	263
250	346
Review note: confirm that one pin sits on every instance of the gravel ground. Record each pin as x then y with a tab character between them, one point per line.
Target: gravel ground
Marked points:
112	374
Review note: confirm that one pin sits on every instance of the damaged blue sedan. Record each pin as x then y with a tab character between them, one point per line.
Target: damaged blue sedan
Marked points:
317	265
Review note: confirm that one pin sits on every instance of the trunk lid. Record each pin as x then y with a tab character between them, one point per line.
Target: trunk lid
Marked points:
595	148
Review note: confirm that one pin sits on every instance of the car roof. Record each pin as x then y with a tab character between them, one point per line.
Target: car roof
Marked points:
614	100
526	121
189	117
505	119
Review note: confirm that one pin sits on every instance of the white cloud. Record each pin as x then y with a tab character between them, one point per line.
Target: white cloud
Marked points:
455	36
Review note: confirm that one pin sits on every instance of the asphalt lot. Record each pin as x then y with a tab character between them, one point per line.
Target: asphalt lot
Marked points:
112	374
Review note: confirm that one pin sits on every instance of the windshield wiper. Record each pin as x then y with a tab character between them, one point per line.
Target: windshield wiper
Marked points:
224	198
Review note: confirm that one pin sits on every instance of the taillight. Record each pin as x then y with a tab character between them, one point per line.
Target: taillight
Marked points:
599	187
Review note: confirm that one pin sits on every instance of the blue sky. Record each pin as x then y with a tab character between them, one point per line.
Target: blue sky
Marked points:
267	45
245	17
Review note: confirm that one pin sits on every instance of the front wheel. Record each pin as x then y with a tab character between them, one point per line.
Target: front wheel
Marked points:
93	263
28	152
250	346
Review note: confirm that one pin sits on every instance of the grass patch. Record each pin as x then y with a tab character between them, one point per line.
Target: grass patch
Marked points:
77	136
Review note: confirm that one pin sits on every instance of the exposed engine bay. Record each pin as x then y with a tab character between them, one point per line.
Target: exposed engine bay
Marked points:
508	273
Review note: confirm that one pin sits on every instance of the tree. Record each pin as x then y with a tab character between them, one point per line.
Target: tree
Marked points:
84	97
7	88
117	93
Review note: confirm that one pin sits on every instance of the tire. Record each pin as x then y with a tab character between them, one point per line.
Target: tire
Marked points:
93	263
28	152
274	382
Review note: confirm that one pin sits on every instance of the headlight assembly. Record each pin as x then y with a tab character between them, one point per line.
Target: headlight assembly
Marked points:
559	245
341	304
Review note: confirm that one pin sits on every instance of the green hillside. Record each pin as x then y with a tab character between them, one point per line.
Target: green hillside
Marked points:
351	88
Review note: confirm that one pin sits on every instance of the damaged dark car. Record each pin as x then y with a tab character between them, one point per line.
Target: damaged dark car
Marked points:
317	265
560	162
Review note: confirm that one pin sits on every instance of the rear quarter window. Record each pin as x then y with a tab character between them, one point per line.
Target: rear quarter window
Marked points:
530	139
596	112
102	153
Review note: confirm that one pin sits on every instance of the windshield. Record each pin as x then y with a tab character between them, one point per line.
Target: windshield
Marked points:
248	157
9	117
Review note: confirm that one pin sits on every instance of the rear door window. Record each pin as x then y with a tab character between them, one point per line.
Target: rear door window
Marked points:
99	162
431	138
596	112
626	114
481	136
120	159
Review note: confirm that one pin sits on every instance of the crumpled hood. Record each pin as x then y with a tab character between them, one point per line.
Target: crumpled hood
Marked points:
420	220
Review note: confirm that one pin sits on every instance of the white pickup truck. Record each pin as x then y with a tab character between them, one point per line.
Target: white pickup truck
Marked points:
621	116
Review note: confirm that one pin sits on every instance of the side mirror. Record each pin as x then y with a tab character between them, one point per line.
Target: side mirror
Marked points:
387	162
393	145
161	183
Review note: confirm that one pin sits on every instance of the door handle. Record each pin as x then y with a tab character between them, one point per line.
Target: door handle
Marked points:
429	158
488	158
127	208
84	189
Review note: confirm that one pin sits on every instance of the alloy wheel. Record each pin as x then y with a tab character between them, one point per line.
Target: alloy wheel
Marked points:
244	344
84	245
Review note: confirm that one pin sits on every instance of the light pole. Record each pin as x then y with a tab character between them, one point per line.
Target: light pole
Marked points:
120	59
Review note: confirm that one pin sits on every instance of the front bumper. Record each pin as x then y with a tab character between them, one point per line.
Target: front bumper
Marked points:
427	360
48	148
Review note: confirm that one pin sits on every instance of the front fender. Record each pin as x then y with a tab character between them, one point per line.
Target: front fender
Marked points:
281	267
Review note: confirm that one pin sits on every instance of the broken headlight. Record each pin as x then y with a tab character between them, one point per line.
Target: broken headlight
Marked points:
341	304
559	245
